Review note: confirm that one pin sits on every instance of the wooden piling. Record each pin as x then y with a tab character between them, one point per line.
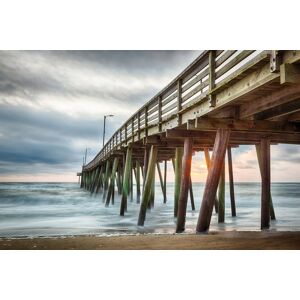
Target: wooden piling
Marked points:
147	186
88	180
110	193
214	172
95	178
165	182
208	163
266	183
81	181
119	180
152	191
94	174
185	181
113	194
131	185
221	196
106	179
231	184
126	176
258	153
84	179
138	182
160	177
178	171
99	183
146	158
192	194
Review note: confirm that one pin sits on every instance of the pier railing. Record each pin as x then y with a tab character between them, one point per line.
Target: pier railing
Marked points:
211	72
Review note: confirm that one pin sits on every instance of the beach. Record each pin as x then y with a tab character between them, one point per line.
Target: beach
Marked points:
233	240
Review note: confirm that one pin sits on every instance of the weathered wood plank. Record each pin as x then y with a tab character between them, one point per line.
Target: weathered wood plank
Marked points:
278	97
206	123
279	111
241	56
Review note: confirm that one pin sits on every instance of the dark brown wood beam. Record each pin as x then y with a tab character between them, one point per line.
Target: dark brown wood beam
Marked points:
213	124
279	97
279	110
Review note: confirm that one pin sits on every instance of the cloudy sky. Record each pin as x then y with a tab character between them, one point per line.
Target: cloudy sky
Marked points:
52	106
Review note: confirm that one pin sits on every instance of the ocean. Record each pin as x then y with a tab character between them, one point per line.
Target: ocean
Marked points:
63	209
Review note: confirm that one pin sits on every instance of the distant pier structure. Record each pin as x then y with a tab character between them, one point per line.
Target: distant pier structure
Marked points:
223	99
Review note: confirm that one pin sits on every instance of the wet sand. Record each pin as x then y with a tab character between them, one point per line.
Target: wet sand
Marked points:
213	240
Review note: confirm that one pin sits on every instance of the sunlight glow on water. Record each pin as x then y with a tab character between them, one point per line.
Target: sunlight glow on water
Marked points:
47	209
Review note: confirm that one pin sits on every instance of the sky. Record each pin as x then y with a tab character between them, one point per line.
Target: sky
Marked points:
52	105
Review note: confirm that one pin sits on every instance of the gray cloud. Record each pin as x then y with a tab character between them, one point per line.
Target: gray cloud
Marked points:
52	102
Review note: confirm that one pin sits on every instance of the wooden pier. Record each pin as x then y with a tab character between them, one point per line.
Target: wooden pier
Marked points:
220	101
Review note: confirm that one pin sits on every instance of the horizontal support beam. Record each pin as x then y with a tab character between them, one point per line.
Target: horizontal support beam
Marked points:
279	110
279	97
213	124
241	137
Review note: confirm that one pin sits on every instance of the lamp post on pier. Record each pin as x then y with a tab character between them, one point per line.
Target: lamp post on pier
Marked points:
86	150
105	116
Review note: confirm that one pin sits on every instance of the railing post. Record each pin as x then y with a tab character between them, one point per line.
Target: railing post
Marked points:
146	121
132	129
126	132
139	125
212	76
179	101
159	113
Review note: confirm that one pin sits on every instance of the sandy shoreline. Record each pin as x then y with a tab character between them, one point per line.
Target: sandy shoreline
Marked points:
214	240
